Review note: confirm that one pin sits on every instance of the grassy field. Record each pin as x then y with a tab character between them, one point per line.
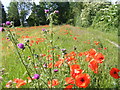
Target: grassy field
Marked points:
73	39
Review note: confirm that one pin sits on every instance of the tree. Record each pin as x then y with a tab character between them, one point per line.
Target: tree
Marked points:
3	15
24	9
37	16
63	8
13	14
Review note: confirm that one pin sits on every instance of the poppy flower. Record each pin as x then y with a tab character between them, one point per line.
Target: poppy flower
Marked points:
96	43
99	57
75	66
105	48
82	80
42	55
86	53
92	52
72	53
88	58
75	70
80	54
114	73
32	41
74	38
30	79
93	65
19	82
30	44
70	58
69	80
50	65
27	36
69	87
54	82
37	42
59	63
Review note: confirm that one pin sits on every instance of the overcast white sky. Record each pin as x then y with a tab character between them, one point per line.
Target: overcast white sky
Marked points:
6	2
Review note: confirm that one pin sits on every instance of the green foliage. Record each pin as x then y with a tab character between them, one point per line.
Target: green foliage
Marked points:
107	18
63	8
24	8
74	12
13	14
102	15
3	15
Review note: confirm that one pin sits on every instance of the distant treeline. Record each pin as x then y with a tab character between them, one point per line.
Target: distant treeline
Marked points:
102	15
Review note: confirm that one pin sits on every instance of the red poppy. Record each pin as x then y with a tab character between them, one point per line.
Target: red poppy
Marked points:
38	38
42	55
99	57
88	58
32	41
37	42
70	58
30	79
30	44
59	63
82	80
75	66
19	82
96	43
105	48
74	38
92	52
88	42
114	73
69	80
75	70
86	53
27	36
73	53
69	87
93	65
80	54
54	82
50	65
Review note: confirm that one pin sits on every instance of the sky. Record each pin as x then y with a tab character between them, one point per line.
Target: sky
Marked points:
6	2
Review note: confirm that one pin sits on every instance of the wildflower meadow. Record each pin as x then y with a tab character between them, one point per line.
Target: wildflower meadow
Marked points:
58	56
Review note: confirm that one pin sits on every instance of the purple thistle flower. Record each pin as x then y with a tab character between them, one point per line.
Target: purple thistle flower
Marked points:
55	70
45	65
56	11
20	45
63	49
46	10
7	38
36	76
1	29
3	24
43	29
7	22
